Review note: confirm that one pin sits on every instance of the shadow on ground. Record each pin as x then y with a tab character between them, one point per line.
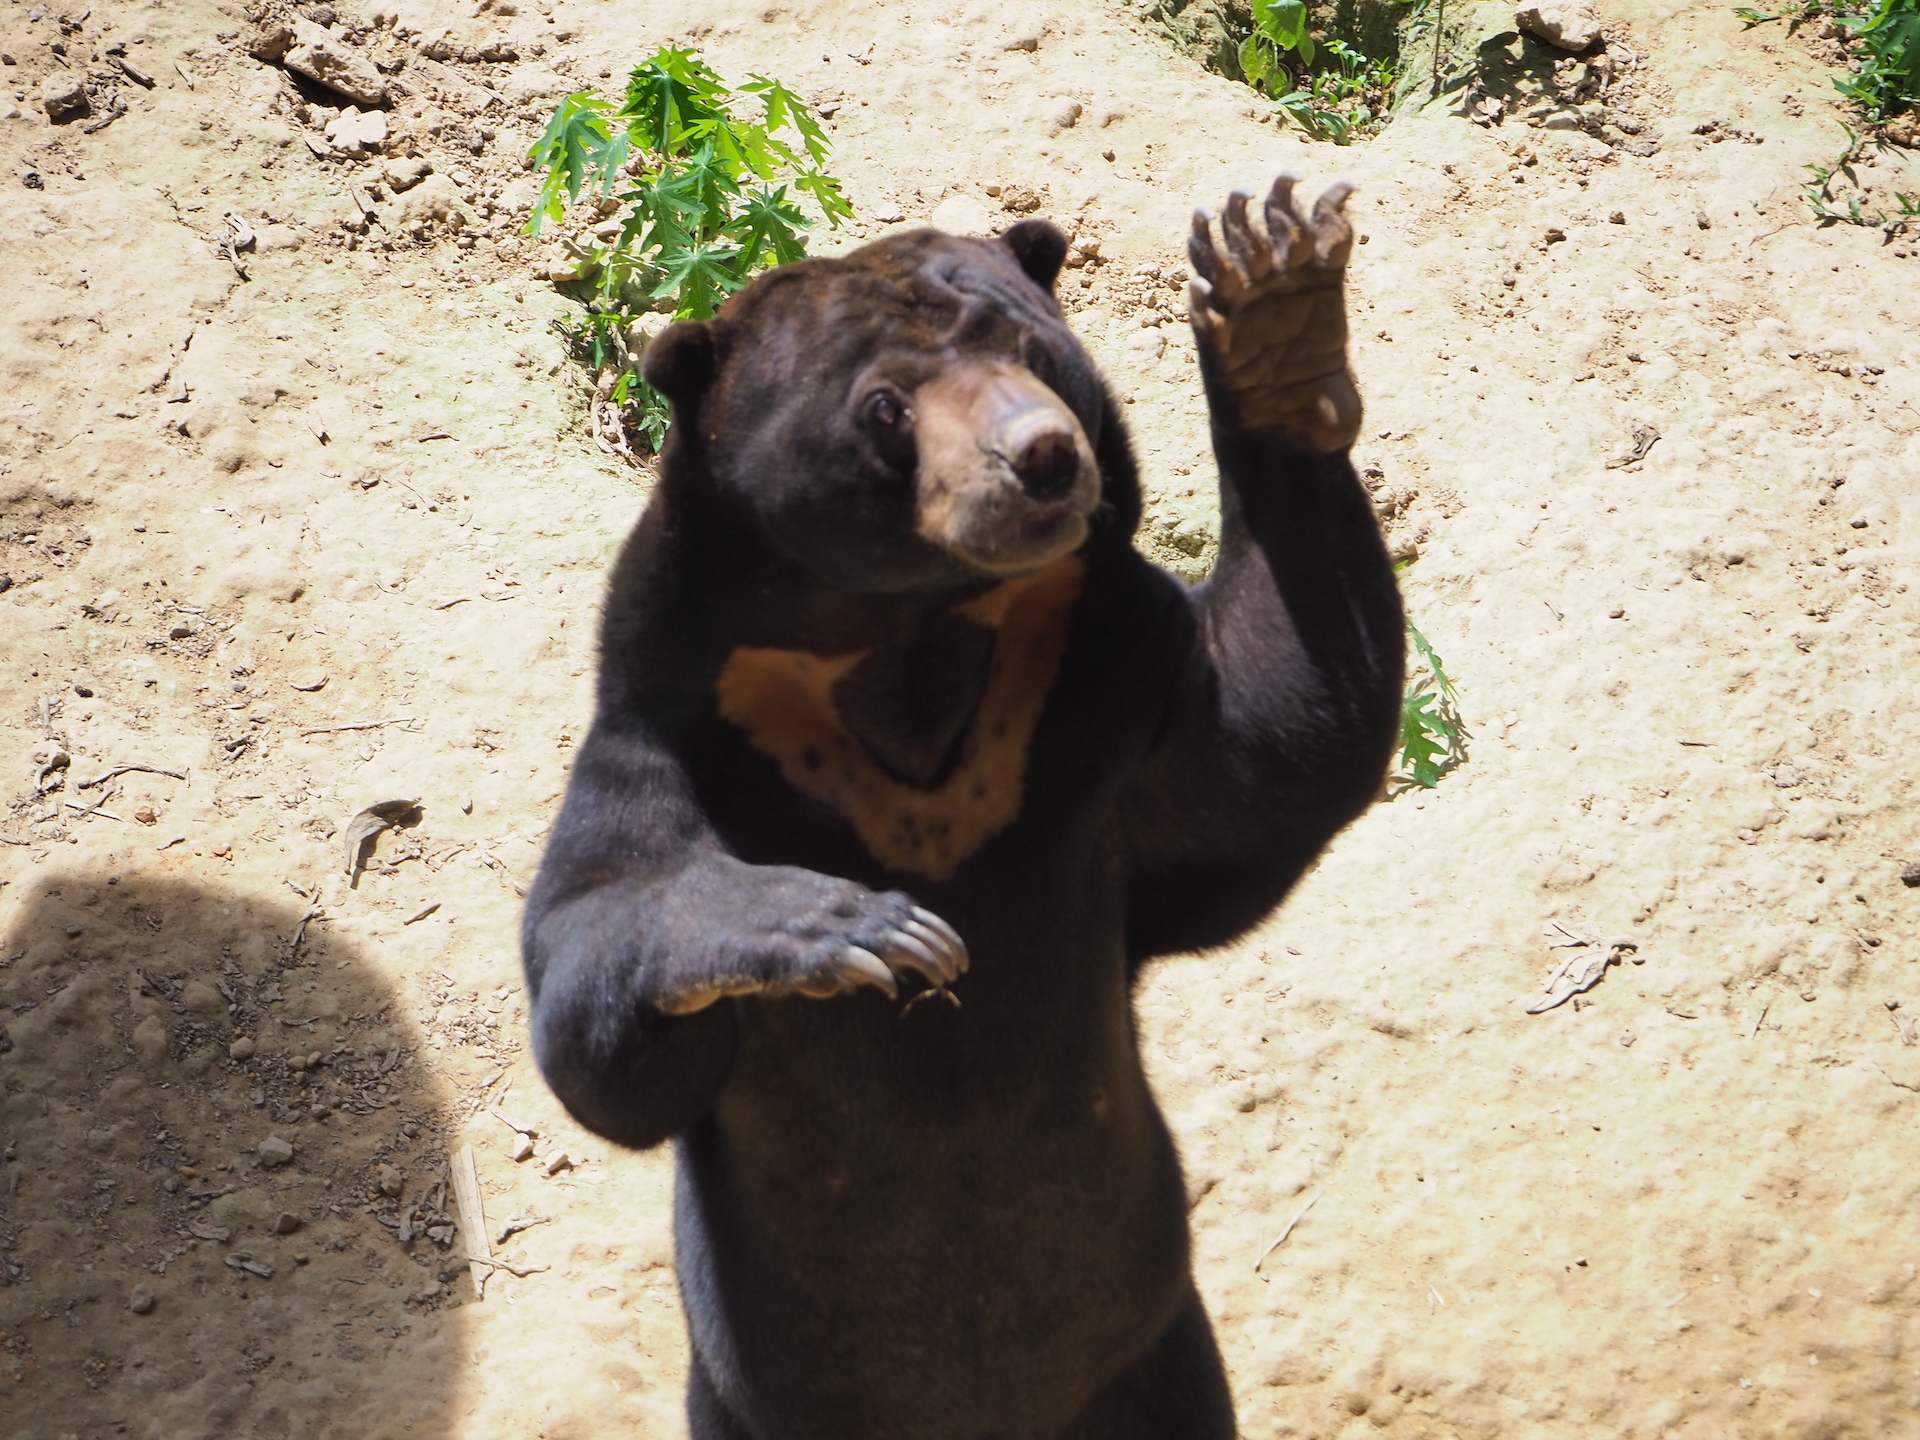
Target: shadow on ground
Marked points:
166	1267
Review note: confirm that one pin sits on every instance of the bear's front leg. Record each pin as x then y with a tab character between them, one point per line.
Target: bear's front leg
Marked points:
640	925
1286	697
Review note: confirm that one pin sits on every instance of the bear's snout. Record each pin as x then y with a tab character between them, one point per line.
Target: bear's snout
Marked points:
1007	478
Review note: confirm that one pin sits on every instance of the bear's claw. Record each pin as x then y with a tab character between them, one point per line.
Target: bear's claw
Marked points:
1268	310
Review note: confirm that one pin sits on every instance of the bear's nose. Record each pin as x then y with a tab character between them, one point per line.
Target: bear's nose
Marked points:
1047	462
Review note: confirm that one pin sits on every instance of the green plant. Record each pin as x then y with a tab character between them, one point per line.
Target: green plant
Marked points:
1819	194
691	181
1433	737
1331	91
1886	58
1886	77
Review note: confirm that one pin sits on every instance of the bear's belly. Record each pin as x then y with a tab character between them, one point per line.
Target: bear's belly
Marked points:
978	1212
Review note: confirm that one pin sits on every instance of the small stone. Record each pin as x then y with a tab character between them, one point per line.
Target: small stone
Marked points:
1910	874
556	1162
1618	612
1618	217
888	214
391	1181
521	1148
1859	522
64	94
145	814
308	680
405	173
201	998
150	1040
1567	24
1701	219
357	132
961	215
1026	39
274	1152
241	1049
1065	115
286	1223
141	1301
1555	235
325	61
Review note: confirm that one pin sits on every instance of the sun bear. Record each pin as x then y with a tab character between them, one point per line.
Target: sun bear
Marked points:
904	761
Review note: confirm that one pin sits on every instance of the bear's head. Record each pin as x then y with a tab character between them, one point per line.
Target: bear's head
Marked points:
912	417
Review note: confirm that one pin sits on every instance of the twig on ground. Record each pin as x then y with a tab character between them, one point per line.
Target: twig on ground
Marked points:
120	770
1298	1215
360	725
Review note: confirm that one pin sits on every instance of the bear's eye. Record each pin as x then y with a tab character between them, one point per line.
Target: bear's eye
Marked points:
883	408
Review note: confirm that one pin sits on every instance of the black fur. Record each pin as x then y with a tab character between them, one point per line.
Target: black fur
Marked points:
956	1223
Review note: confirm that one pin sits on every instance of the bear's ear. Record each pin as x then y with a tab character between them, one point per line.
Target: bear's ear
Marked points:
679	363
1041	248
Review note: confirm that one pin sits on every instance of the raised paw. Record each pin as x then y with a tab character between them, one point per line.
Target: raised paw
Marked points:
831	939
1269	313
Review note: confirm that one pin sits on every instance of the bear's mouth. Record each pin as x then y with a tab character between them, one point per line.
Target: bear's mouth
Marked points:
1007	479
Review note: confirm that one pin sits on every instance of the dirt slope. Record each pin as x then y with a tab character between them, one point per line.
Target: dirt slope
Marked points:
333	533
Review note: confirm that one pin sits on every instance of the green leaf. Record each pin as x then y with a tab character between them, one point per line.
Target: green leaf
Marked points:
668	94
783	108
699	276
1422	755
768	225
574	144
827	194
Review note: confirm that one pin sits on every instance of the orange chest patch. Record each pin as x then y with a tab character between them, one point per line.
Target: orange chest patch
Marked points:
783	702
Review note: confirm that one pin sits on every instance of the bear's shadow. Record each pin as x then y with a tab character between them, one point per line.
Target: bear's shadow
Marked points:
165	1267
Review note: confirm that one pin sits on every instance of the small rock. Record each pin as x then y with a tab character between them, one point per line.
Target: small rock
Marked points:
961	215
1020	199
1618	217
434	201
1568	24
308	680
286	1223
141	1301
1027	38
64	94
145	814
241	1049
405	173
888	214
521	1148
1065	116
274	1152
1910	874
357	132
201	998
1555	235
316	54
556	1162
391	1181
150	1040
1701	219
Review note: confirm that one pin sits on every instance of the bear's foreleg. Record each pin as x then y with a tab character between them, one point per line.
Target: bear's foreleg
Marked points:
1280	726
640	926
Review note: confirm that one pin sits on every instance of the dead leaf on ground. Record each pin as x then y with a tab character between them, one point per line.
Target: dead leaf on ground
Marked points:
370	822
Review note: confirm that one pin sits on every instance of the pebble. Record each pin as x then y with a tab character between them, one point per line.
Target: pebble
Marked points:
1568	24
559	1160
1027	39
521	1149
274	1152
1910	874
308	680
141	1301
357	132
64	94
241	1049
961	215
201	998
307	48
286	1223
1065	116
391	1181
405	173
145	814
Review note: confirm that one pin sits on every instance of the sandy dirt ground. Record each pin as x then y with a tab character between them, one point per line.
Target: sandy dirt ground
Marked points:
332	532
